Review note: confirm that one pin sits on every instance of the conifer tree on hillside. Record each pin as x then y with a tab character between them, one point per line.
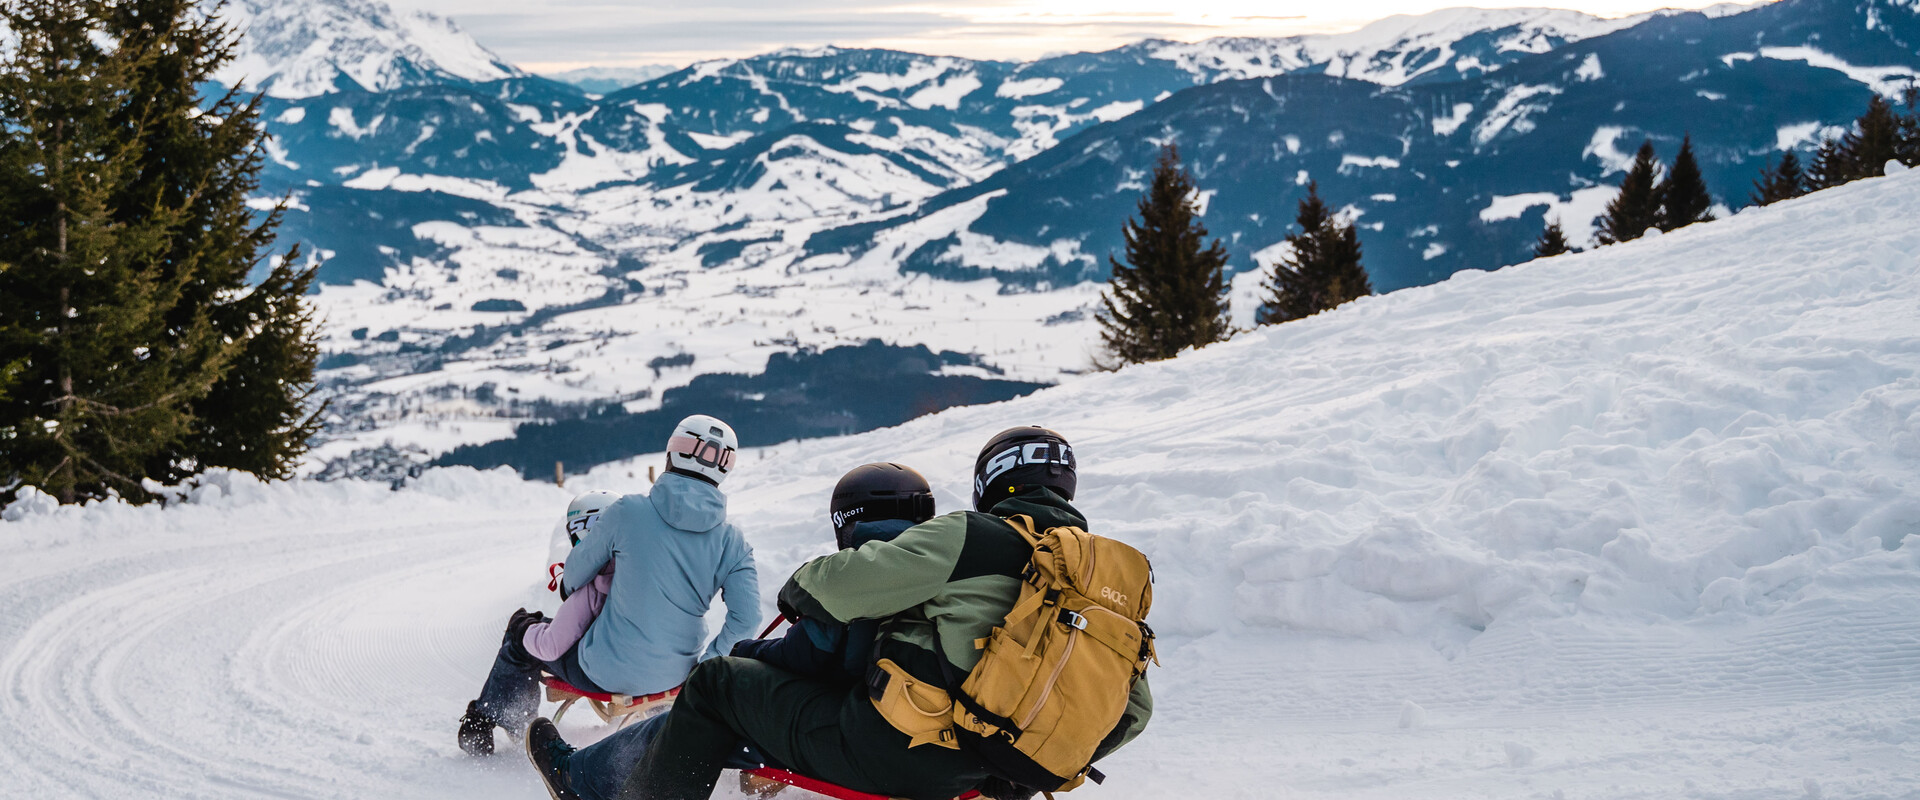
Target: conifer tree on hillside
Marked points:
1831	166
1908	149
100	395
1683	195
126	243
1171	293
1862	152
254	418
1322	269
1638	205
1782	181
1875	140
1552	241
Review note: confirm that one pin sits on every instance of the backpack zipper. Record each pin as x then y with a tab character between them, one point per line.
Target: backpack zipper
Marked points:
1086	577
1073	636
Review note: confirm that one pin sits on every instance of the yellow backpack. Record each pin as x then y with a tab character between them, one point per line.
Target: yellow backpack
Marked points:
1054	679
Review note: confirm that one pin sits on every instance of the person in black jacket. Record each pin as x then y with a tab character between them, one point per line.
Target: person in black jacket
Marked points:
871	503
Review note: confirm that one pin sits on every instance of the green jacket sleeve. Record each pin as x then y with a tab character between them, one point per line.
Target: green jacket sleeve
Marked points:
1132	721
879	579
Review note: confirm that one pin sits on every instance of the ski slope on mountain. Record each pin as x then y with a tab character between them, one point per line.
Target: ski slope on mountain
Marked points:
1628	524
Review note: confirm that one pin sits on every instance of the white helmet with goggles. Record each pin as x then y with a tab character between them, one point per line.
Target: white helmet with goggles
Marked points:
702	447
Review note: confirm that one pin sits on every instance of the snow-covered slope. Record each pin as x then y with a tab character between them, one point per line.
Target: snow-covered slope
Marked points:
1629	524
295	49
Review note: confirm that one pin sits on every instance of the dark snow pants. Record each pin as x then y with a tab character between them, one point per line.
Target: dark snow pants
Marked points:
511	695
822	730
597	771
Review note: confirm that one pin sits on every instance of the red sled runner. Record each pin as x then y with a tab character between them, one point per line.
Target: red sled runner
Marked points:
621	709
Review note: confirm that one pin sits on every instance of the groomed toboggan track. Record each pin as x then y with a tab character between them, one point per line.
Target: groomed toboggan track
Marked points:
330	662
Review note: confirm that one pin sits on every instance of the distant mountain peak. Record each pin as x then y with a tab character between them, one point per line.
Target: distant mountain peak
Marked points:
606	80
304	48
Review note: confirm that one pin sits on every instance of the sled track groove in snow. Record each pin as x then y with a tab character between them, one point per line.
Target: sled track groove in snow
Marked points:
273	666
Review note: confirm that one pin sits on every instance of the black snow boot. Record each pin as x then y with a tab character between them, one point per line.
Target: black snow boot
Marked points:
549	754
476	732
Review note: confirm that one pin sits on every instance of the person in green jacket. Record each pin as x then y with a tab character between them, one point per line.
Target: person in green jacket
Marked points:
938	586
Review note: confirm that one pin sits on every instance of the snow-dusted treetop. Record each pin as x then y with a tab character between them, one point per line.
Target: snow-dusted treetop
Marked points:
303	48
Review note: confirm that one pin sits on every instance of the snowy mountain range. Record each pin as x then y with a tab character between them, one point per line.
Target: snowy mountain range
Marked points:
312	47
503	247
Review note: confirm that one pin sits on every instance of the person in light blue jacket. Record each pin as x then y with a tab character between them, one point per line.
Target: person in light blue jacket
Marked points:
672	551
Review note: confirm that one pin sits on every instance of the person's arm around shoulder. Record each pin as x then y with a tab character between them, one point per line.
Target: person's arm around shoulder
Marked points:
740	590
594	550
810	649
548	641
878	579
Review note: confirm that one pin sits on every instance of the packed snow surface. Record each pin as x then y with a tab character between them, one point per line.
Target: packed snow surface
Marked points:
1636	523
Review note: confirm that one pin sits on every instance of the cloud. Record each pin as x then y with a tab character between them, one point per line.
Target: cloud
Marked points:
546	35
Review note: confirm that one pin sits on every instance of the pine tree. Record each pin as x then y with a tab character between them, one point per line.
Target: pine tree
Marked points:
1832	166
1862	152
1908	150
104	390
1171	292
1875	140
1783	181
1322	270
127	241
1552	242
207	163
1683	195
1638	205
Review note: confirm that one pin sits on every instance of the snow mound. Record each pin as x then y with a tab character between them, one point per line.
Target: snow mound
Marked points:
1723	420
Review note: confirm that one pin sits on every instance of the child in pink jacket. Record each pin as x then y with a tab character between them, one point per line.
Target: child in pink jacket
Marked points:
549	640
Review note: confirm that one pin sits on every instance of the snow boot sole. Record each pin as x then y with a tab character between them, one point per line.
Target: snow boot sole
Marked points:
476	732
541	741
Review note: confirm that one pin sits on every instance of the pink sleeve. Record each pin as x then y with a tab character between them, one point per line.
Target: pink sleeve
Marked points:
548	641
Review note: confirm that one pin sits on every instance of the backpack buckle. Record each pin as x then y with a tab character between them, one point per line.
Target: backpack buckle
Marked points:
1073	620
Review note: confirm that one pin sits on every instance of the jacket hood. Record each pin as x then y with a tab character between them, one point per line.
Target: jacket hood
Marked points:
1047	508
688	504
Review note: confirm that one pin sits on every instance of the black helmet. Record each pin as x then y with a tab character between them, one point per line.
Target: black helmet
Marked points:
1026	456
875	492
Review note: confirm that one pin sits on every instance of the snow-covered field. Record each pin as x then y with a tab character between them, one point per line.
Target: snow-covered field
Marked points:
1629	524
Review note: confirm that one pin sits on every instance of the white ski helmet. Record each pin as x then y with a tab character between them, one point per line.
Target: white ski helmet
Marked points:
584	510
702	447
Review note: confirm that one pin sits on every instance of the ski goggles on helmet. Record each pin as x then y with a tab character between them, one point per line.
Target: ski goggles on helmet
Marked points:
706	452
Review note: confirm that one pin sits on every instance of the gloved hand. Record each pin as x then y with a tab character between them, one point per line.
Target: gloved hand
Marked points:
785	609
1001	789
523	619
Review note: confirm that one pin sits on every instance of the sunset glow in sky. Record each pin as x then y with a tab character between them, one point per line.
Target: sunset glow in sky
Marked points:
548	35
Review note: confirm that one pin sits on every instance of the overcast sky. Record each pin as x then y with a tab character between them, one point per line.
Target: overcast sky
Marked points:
552	35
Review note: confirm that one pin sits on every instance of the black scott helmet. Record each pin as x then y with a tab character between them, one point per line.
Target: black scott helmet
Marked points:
1027	456
876	492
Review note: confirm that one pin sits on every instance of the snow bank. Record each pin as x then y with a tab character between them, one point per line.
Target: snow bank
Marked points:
224	499
1636	523
1718	421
